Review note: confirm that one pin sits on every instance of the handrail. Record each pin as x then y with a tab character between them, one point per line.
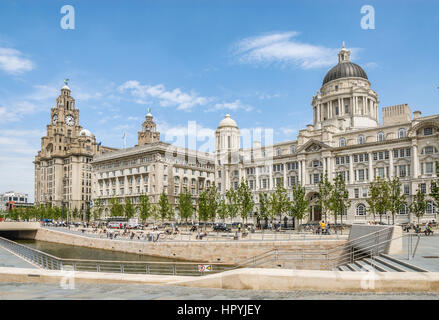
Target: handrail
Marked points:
363	238
48	261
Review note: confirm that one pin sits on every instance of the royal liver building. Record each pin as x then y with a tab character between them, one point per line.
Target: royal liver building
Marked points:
345	138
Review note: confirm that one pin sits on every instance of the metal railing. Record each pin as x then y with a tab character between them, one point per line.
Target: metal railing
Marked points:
47	261
367	246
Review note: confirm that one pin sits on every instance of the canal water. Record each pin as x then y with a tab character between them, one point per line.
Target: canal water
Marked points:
74	252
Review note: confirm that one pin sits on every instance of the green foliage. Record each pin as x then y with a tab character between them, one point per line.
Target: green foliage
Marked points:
145	207
129	208
185	207
116	209
56	213
245	199
434	190
98	208
264	205
212	201
300	203
419	204
203	210
279	203
222	210
325	190
397	199
75	213
339	198
232	203
164	208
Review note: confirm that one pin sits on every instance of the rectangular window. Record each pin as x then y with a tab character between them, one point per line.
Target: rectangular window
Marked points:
356	193
316	178
429	167
361	175
423	187
402	171
407	189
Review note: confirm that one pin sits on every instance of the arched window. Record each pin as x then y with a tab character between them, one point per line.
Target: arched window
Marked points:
360	139
293	149
402	133
278	152
342	142
430	207
361	210
380	136
404	209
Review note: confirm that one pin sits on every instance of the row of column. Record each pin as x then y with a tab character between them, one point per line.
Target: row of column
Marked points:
353	104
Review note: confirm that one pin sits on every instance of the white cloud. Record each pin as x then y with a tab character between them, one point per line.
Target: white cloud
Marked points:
283	48
13	62
166	98
235	105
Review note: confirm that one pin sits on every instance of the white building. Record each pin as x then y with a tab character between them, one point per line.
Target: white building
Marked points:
346	138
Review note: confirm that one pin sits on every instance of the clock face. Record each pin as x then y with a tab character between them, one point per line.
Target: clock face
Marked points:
70	120
54	119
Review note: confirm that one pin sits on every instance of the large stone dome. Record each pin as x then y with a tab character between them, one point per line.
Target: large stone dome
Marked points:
345	69
227	122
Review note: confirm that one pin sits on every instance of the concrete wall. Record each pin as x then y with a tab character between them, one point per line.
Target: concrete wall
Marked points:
226	252
250	279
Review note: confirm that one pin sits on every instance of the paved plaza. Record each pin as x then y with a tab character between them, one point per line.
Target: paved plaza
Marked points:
27	291
427	253
8	259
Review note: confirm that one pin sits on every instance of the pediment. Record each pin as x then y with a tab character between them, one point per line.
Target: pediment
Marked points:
313	146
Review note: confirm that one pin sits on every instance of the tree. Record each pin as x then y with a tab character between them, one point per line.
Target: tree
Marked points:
212	201
185	207
300	203
145	208
434	190
264	205
325	189
56	213
279	203
129	208
232	203
116	209
339	199
245	200
397	198
75	213
88	214
98	208
164	208
374	196
222	210
203	210
419	205
383	197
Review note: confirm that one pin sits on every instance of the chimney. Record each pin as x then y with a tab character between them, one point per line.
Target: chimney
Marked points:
416	115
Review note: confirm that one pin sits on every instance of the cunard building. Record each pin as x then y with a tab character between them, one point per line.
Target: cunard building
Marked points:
63	172
346	137
151	167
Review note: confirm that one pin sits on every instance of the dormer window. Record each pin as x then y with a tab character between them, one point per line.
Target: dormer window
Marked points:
342	142
380	136
278	152
360	139
402	133
293	149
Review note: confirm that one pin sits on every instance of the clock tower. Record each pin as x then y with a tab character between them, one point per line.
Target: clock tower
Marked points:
62	166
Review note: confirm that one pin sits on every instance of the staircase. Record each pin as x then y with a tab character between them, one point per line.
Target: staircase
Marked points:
379	263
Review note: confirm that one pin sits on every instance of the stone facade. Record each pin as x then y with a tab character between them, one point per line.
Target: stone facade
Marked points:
150	168
62	166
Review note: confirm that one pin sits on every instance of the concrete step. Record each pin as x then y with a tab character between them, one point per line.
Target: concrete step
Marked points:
390	264
353	267
377	266
364	266
343	268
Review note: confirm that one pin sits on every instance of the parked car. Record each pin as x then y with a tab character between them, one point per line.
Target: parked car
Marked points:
221	227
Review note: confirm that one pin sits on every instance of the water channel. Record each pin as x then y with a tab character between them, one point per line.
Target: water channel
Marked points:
76	252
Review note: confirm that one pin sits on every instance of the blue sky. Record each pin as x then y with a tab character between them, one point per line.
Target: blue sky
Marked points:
260	61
